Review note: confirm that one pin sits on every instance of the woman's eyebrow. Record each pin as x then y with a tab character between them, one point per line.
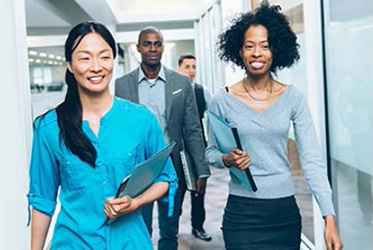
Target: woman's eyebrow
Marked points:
251	41
89	52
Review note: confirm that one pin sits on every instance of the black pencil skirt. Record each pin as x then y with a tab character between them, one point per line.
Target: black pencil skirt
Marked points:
261	224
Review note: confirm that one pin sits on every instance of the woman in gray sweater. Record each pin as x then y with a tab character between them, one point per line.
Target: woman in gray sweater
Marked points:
262	109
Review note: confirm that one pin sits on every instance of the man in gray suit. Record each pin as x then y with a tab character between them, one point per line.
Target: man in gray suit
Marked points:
170	97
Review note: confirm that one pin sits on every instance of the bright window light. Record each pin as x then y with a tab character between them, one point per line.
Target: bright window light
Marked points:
32	53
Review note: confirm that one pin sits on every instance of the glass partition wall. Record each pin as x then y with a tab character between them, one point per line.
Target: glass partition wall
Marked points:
47	78
297	76
349	83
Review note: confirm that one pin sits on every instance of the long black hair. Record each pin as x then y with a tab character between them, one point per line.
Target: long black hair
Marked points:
69	112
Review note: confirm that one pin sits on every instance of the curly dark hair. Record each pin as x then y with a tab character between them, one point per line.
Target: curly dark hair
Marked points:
282	40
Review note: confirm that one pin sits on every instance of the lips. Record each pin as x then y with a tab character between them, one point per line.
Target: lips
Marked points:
153	57
96	79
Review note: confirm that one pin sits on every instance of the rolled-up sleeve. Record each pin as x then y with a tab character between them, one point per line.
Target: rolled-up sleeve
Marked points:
155	143
44	176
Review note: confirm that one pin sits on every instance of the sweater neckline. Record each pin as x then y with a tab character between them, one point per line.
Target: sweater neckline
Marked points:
267	110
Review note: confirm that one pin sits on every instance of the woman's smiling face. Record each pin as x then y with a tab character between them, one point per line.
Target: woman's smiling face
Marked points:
92	64
255	51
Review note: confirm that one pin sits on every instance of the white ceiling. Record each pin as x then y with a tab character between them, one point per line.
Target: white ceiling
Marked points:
49	13
132	11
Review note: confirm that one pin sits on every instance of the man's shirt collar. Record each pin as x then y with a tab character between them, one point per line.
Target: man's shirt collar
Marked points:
161	75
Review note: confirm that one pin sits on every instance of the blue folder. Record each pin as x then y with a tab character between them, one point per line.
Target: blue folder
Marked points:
227	138
144	174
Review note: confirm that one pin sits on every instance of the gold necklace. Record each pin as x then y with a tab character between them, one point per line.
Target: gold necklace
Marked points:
257	98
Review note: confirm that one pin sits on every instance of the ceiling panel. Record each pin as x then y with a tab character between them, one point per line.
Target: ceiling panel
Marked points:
38	14
129	11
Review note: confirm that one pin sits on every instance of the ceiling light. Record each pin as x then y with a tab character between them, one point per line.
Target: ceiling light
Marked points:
59	57
41	54
32	53
38	61
31	60
51	56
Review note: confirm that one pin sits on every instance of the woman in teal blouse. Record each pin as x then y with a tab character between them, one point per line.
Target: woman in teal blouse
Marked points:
85	147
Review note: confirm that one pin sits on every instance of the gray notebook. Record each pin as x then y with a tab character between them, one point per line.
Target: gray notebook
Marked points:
189	174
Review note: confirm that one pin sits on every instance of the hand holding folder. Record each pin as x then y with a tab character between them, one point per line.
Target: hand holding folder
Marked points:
227	139
144	174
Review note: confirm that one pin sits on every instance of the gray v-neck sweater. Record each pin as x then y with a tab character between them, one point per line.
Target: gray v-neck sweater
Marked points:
264	136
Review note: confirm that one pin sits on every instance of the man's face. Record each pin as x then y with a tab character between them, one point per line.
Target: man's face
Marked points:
151	48
188	67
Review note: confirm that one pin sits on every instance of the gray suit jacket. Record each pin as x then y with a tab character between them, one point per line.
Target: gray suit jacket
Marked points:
182	118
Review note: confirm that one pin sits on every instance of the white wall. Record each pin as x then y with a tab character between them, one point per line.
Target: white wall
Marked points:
230	8
186	46
210	69
15	127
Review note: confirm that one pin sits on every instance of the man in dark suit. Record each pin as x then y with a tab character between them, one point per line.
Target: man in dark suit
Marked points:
187	66
169	96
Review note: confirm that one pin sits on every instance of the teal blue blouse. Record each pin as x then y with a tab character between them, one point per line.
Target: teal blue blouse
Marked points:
128	135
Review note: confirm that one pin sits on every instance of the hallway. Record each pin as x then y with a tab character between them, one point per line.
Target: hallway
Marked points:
334	73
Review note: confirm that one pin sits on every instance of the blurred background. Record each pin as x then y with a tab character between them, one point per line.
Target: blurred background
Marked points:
335	72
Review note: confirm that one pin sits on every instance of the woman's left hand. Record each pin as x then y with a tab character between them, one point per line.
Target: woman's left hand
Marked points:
115	207
332	239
